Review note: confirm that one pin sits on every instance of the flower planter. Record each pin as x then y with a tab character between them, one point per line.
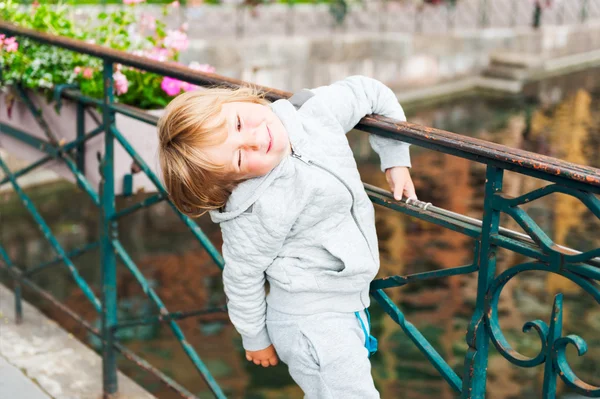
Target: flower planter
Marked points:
141	136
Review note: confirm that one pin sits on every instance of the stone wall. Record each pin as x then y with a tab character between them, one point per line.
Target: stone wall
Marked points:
367	16
399	42
403	61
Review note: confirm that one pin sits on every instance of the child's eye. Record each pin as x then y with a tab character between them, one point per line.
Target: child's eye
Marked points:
239	123
239	158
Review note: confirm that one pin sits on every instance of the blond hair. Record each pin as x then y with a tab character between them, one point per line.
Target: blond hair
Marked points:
191	122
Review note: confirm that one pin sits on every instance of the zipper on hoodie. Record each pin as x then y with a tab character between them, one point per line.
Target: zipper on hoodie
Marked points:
318	165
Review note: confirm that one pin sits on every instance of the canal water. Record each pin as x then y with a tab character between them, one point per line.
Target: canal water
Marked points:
558	117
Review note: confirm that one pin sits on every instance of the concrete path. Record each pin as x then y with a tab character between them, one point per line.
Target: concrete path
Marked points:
15	384
40	360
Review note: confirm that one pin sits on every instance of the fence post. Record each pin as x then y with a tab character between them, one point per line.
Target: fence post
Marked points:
80	149
419	18
476	359
483	8
289	26
584	10
240	14
108	231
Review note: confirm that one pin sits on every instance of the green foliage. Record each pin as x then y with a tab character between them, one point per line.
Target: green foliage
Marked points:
38	65
42	67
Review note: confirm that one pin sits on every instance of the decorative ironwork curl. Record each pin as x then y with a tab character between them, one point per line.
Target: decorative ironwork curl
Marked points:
565	372
553	347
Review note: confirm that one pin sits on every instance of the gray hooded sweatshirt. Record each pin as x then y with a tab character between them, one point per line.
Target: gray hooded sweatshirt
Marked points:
308	227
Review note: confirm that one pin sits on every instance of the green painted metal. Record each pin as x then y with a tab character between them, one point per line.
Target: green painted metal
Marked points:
196	231
399	281
108	233
419	340
154	199
16	286
168	317
71	255
475	370
583	268
140	362
80	123
189	350
50	237
20	135
56	153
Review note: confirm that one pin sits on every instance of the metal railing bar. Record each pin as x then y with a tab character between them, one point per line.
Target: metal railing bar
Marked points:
586	178
468	147
453	216
72	254
51	239
128	354
17	285
164	68
419	340
124	109
426	215
198	233
56	153
399	281
155	199
47	158
54	142
171	316
187	348
37	114
27	169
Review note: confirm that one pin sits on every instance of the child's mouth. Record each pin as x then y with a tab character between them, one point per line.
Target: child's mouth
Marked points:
270	140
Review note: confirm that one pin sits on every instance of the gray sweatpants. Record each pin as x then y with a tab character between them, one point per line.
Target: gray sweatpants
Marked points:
325	353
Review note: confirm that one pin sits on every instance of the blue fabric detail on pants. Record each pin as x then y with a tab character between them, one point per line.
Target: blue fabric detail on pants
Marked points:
370	341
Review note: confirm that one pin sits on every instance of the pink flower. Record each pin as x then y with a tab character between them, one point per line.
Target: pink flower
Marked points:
184	27
196	66
175	4
77	70
148	22
2	36
133	1
11	44
158	54
185	86
176	40
171	86
121	83
88	73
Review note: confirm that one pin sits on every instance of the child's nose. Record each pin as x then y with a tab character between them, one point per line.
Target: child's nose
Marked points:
252	138
251	142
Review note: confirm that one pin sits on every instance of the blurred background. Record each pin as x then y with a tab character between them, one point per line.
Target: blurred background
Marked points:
522	73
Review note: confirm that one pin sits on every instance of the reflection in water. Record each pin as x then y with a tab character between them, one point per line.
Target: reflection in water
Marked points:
550	120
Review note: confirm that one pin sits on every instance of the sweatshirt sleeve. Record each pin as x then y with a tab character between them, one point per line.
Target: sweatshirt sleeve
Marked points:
250	244
357	96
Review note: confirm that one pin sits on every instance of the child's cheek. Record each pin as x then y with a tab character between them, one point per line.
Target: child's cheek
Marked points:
256	163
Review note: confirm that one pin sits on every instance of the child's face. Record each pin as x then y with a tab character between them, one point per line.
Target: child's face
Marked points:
256	140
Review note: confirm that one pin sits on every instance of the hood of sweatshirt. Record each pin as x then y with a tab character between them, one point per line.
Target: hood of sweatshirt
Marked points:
247	192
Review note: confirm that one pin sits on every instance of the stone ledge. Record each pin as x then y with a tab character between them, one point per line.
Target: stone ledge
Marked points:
62	367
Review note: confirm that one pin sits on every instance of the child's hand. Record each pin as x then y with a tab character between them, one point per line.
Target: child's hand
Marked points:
400	182
265	357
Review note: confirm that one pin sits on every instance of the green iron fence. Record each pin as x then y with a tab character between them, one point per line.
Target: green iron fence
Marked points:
574	180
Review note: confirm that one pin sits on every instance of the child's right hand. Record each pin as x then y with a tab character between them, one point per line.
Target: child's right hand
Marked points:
265	357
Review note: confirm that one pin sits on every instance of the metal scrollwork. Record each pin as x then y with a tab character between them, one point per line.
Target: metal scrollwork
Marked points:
553	344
